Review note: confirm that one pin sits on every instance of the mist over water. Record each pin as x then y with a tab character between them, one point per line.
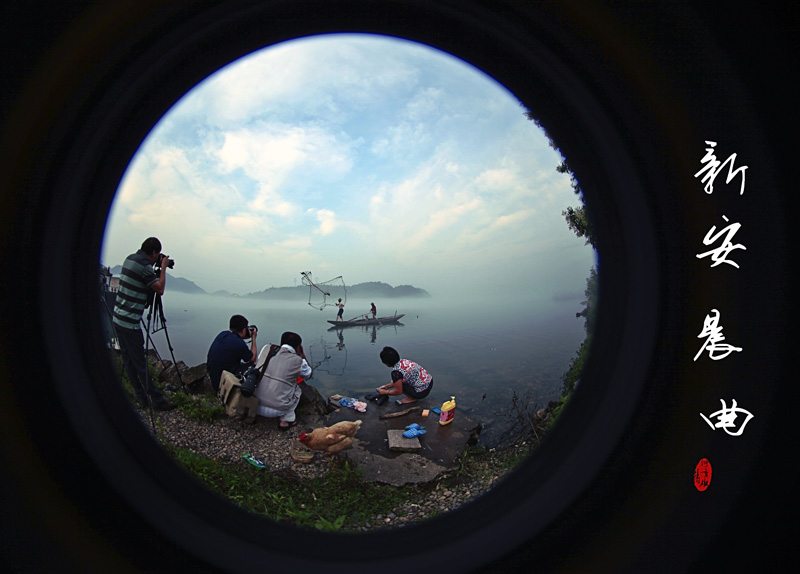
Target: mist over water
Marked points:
480	352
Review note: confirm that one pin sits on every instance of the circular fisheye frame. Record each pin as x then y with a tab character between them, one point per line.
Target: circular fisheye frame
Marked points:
609	488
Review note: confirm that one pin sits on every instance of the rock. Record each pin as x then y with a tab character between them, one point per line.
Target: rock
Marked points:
173	374
311	400
399	443
195	376
403	468
159	365
180	375
440	448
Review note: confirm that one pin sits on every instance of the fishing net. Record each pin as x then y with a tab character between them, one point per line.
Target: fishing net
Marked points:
323	294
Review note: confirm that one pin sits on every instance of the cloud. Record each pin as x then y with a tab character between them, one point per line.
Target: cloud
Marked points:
323	152
327	221
243	223
294	243
496	179
308	77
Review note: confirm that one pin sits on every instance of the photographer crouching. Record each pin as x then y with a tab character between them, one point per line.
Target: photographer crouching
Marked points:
229	352
138	283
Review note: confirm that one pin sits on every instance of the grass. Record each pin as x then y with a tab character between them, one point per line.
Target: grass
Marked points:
571	378
200	407
340	501
197	407
573	374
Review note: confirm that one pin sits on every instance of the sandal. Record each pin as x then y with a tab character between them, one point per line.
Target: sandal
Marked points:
288	425
253	460
413	433
413	426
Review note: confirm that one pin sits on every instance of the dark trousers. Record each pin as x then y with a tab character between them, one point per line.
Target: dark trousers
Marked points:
411	392
131	343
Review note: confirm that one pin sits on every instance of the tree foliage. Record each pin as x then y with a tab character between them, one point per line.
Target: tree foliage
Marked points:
577	217
579	222
589	311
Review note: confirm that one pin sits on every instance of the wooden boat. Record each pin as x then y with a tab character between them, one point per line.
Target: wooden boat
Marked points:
362	320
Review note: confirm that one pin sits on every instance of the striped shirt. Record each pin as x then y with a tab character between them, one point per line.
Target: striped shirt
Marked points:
135	279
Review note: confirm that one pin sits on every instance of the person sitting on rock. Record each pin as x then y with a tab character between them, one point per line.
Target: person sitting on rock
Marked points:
408	377
279	390
229	352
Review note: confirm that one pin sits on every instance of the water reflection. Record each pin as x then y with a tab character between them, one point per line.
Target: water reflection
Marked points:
327	357
371	330
482	354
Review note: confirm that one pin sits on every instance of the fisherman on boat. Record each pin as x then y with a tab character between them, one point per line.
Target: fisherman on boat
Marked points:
341	310
365	319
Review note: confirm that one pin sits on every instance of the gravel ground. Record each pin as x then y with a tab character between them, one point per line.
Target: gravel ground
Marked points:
226	440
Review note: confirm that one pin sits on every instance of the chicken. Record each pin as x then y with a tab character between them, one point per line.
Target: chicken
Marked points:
331	439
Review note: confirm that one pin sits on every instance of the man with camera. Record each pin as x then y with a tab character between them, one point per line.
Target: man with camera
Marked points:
229	352
138	283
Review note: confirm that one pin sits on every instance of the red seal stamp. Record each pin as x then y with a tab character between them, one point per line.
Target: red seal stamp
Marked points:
702	474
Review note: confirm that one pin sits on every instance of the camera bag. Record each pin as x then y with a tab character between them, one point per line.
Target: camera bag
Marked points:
252	376
237	406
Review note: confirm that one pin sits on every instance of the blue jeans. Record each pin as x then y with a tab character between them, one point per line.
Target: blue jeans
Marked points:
131	343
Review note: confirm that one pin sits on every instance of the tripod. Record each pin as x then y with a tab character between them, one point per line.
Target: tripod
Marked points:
154	302
156	305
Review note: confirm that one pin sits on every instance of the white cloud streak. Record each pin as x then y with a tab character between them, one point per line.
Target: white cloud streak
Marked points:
328	152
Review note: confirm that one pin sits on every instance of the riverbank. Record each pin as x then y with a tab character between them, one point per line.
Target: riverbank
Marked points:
222	442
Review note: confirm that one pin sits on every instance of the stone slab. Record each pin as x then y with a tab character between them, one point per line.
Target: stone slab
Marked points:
399	443
440	448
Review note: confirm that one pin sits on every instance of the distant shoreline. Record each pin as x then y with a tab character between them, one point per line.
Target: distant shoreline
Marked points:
371	289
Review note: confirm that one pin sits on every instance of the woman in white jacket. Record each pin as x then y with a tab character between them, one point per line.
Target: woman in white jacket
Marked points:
279	391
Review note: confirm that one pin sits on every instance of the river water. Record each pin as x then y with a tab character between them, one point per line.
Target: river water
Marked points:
480	353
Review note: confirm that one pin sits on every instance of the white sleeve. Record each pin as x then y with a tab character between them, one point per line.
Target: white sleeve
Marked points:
305	370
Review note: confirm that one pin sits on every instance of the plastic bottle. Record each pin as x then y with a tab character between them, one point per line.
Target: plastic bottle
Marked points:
448	411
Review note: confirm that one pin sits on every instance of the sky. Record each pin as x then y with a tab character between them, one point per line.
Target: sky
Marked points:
365	157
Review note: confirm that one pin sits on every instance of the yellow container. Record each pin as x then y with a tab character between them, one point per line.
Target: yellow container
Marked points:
448	411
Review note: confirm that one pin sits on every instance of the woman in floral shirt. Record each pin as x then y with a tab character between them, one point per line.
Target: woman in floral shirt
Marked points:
408	377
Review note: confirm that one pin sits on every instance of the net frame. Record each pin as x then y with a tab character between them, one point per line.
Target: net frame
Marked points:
323	294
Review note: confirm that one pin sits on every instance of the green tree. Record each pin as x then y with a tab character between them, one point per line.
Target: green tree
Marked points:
590	303
579	222
577	217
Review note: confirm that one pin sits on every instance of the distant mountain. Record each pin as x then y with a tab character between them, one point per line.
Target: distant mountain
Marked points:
183	285
173	283
371	289
382	290
368	290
